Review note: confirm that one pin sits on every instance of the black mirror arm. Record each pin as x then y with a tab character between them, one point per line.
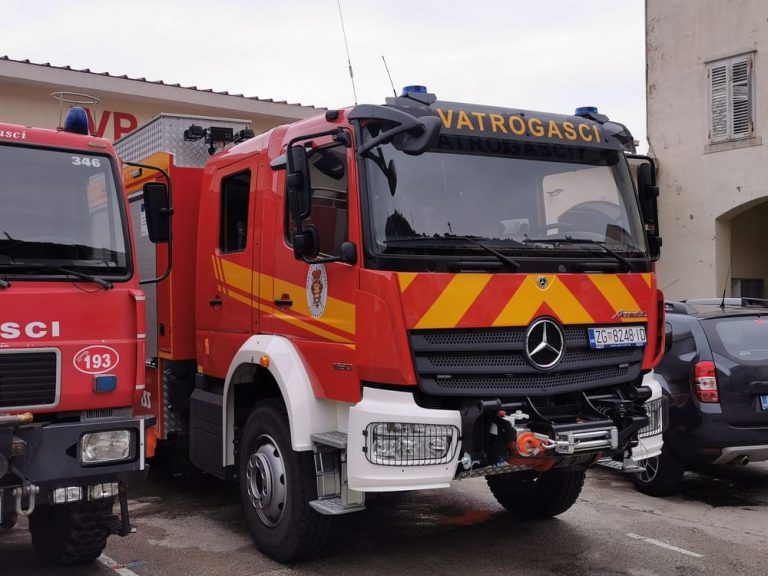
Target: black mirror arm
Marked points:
167	177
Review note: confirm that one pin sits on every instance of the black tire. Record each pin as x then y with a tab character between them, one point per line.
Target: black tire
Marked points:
538	497
69	534
276	486
663	474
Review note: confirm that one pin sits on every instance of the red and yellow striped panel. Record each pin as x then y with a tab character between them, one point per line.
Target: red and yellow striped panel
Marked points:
481	300
337	324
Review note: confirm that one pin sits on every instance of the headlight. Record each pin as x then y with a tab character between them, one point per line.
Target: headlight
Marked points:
103	447
403	444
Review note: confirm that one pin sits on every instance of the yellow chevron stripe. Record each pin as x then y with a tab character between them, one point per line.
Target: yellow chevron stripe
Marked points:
236	276
648	279
215	268
405	279
615	292
529	297
300	323
454	301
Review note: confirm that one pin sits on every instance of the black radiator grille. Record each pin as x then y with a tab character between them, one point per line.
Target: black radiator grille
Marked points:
493	362
28	379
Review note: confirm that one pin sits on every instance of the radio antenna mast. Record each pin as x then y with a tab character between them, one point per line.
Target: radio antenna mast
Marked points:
346	45
389	75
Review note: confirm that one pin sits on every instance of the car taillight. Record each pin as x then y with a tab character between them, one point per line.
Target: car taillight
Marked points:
705	382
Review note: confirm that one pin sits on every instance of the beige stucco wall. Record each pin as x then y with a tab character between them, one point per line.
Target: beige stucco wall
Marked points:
702	187
25	99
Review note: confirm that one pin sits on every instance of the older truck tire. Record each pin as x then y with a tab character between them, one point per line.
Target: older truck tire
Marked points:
538	497
69	534
276	486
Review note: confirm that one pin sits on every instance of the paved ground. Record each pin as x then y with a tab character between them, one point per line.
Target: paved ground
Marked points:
192	525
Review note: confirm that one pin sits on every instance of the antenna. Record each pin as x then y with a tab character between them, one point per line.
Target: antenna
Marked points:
346	45
389	75
725	286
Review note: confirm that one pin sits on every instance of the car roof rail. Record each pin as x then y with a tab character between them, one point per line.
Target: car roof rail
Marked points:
678	307
742	302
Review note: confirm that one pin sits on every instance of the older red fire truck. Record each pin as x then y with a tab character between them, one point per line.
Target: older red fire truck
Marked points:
72	323
391	297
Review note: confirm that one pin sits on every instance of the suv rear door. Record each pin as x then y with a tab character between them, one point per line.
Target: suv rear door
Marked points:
740	349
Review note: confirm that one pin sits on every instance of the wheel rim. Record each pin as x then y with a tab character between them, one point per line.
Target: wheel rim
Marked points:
265	476
651	469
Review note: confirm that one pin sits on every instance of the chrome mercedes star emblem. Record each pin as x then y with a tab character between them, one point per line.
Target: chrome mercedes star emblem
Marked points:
544	343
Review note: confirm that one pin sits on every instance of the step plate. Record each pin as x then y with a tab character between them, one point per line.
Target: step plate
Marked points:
334	507
333	439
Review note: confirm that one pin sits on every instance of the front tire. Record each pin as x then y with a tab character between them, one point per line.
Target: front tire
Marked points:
539	497
69	534
663	474
276	486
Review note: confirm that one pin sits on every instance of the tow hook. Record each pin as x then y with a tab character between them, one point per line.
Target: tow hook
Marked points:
31	491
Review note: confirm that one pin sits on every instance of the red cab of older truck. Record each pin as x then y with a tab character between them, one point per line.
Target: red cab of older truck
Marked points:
72	321
392	297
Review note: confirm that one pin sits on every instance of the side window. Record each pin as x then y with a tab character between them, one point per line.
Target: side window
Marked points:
233	225
330	193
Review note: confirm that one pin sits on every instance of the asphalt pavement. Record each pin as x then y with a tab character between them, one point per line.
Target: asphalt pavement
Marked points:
192	525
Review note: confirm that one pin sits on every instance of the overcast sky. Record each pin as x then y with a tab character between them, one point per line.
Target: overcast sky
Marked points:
551	55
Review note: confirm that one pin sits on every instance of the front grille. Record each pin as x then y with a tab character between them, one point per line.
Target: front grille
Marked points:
656	410
28	379
481	362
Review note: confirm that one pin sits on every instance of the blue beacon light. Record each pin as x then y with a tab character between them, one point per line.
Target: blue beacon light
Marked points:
414	89
76	121
585	110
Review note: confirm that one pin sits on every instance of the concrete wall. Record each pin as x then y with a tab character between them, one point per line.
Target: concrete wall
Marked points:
703	187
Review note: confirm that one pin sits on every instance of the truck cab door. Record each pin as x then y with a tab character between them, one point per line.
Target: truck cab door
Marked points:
314	303
225	290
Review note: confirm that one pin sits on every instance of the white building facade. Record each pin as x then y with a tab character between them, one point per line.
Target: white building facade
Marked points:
707	91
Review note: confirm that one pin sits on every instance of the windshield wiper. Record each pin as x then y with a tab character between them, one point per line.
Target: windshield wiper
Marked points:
4	283
506	260
106	284
570	240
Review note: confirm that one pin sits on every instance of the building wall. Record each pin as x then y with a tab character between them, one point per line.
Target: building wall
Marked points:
124	104
705	187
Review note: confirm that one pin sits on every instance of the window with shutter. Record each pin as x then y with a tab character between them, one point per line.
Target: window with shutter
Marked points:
731	98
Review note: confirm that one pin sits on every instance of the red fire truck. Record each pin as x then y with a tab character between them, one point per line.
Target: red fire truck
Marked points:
392	297
72	321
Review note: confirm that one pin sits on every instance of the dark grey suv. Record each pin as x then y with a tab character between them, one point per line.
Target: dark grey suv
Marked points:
715	376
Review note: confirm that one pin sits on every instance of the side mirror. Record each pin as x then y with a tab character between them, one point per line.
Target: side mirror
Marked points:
157	212
298	189
415	142
306	243
648	193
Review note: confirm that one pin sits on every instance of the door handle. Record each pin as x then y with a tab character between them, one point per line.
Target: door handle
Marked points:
215	301
284	301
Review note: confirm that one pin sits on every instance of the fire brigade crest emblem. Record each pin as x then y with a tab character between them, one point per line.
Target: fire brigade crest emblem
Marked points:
317	289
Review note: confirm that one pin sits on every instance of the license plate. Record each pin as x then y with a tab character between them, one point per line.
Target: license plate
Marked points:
617	337
764	402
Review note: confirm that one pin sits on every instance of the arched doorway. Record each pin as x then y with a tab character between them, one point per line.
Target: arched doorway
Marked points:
742	250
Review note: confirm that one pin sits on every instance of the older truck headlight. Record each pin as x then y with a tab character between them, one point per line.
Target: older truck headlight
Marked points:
105	447
403	444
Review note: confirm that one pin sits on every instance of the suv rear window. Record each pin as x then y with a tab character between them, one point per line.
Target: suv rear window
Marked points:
745	339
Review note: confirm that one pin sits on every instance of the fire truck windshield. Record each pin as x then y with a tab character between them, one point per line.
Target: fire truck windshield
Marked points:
60	209
505	192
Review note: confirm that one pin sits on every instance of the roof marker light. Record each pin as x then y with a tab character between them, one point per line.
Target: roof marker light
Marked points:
76	121
585	111
414	89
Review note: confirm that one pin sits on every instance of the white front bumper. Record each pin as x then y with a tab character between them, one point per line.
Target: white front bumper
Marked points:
390	406
650	446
